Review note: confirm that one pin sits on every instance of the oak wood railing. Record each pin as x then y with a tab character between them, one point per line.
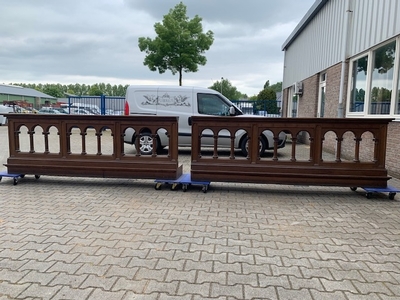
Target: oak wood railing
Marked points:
89	145
310	133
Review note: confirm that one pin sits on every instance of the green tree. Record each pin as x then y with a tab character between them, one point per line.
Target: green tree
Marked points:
277	87
227	89
109	91
179	44
53	90
95	90
58	90
266	100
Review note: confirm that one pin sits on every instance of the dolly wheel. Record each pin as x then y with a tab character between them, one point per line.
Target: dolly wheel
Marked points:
37	176
15	181
353	188
391	196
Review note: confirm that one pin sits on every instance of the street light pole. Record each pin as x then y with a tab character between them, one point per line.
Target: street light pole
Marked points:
222	78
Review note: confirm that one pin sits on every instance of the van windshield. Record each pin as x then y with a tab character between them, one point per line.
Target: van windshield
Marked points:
212	104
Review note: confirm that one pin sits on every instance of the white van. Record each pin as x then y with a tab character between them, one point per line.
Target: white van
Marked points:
185	102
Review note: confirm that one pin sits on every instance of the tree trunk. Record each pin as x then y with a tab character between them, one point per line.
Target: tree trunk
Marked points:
180	77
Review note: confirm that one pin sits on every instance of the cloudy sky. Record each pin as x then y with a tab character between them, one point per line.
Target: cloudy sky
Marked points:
93	41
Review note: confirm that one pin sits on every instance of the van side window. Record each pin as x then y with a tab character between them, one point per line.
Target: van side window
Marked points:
209	104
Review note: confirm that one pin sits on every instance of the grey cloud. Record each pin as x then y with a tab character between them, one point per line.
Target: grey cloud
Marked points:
98	40
228	11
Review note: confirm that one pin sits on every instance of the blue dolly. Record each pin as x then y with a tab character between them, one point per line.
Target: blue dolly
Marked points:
185	180
15	177
388	189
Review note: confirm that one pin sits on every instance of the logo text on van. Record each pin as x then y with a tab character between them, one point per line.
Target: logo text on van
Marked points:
166	100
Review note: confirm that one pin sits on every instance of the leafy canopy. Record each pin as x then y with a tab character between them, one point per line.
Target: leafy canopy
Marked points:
266	100
227	89
179	44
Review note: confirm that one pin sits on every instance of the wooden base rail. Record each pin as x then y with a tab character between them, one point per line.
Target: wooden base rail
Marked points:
61	144
314	170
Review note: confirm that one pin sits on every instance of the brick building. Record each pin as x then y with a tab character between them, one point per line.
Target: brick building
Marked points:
342	60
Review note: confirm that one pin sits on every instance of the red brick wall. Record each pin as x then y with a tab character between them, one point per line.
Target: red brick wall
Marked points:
309	100
393	149
332	91
308	107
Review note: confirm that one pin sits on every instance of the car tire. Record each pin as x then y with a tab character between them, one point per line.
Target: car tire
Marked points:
245	146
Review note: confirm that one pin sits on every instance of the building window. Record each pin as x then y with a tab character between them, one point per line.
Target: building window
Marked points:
359	84
321	95
372	82
382	80
397	103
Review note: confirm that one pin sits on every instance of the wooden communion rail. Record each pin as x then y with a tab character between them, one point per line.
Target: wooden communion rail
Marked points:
357	160
311	170
70	156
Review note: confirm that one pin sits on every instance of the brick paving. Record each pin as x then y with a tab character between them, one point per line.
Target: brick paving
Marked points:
89	238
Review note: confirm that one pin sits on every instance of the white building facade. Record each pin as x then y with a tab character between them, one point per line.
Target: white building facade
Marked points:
343	60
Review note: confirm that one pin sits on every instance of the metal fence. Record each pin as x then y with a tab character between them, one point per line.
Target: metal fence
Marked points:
108	105
104	105
268	108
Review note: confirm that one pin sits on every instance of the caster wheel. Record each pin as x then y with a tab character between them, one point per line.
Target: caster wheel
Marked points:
37	176
391	196
184	188
174	186
204	189
15	181
22	176
1	177
353	188
158	186
368	195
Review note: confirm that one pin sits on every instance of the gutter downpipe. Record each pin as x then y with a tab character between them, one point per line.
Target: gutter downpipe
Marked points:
344	57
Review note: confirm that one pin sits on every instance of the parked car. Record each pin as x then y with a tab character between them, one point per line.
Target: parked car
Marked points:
31	110
91	109
48	110
61	110
4	109
80	112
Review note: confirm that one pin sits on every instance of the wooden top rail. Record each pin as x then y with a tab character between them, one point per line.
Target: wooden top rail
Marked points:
317	134
59	144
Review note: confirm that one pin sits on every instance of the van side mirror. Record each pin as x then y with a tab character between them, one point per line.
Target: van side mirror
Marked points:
232	111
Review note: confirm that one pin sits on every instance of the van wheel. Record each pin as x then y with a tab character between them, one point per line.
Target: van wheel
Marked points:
245	146
146	143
